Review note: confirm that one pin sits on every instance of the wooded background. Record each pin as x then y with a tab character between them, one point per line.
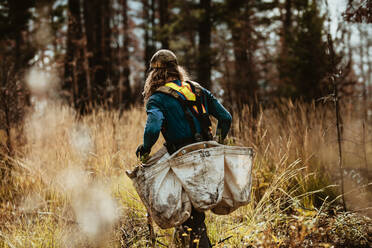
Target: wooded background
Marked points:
71	110
245	51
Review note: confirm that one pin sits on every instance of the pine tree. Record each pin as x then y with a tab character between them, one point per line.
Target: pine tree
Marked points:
303	63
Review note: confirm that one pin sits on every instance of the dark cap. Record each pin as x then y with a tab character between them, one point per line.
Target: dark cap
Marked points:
163	59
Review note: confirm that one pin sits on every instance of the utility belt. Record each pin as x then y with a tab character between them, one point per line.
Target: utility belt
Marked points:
173	147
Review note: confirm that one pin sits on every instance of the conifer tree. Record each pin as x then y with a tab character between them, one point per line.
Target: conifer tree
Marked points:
303	63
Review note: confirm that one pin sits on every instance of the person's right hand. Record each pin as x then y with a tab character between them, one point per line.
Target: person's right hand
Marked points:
142	153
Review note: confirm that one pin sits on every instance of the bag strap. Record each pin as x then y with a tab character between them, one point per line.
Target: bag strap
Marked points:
198	99
202	116
172	92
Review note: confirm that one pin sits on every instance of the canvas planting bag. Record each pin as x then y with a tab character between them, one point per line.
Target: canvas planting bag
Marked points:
206	175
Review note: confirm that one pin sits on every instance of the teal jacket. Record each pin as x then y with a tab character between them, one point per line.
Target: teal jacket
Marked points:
165	114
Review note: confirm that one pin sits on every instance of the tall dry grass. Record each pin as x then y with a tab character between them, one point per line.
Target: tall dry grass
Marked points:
68	187
307	132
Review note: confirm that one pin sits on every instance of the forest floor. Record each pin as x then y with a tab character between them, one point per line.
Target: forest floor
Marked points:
66	185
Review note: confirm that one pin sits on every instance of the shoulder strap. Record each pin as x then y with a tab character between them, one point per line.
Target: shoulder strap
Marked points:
197	88
187	107
203	116
171	92
198	99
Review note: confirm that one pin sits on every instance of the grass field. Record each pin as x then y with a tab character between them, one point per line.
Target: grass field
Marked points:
67	186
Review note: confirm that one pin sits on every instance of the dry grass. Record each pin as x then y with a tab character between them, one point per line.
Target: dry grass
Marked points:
68	187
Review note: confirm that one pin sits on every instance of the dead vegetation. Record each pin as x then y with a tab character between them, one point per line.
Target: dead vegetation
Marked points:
295	196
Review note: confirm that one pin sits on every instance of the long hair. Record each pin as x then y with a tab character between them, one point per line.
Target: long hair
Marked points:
160	76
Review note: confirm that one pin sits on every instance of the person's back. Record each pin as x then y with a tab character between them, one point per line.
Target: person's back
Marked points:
166	113
180	109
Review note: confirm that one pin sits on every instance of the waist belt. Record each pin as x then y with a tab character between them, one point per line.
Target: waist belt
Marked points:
172	147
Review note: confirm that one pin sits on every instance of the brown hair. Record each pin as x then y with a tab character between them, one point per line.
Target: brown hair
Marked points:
160	76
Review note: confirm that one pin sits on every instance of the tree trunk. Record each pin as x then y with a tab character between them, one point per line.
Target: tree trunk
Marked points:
245	85
149	31
369	85
285	41
287	19
364	36
98	37
153	37
146	28
106	39
164	19
74	74
126	91
19	16
116	53
205	29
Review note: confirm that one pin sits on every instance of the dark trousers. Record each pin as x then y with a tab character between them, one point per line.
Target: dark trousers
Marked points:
198	231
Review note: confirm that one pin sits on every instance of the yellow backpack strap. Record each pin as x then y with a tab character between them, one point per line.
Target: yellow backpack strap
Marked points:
198	87
193	93
172	92
184	89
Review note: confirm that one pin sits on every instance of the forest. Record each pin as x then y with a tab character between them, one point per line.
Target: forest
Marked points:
296	75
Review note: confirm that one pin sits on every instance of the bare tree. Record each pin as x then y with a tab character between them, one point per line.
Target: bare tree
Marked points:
333	76
359	11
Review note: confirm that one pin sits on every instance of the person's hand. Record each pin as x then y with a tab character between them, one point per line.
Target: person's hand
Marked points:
142	153
218	137
226	141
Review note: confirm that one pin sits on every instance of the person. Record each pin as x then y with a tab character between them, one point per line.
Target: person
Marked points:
180	110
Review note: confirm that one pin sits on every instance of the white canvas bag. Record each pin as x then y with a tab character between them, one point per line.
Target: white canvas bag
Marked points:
207	175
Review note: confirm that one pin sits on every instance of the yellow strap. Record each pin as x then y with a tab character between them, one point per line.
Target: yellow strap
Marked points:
184	89
196	109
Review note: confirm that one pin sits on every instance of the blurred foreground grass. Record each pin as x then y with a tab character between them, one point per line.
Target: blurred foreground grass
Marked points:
66	185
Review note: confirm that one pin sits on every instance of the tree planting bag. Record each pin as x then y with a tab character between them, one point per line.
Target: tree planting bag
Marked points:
208	175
